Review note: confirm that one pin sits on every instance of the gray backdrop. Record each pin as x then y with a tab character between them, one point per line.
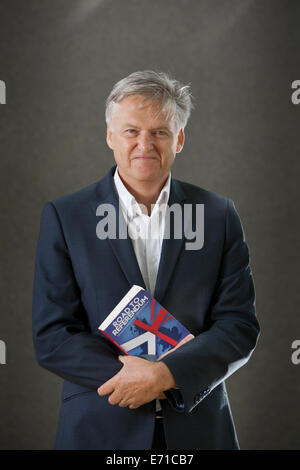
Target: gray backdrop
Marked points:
59	60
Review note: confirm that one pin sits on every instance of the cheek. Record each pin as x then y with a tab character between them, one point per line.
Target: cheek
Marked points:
129	147
168	151
124	147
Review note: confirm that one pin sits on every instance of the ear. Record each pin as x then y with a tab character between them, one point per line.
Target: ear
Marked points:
180	141
109	137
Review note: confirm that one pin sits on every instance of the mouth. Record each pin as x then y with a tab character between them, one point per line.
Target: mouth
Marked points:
144	157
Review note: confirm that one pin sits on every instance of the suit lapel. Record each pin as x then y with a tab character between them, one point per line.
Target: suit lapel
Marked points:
171	248
122	248
125	254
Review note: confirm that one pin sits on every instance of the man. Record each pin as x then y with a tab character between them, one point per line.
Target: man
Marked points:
110	401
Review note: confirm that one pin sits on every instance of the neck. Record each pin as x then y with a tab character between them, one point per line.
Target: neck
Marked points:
144	192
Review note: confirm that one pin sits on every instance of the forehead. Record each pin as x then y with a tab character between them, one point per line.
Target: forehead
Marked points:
138	110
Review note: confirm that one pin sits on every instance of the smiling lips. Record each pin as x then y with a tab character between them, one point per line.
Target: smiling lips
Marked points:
142	157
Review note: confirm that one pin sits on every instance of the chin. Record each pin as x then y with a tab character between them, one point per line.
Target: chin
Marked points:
145	175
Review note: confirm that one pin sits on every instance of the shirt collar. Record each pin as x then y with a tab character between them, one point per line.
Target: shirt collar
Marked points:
128	201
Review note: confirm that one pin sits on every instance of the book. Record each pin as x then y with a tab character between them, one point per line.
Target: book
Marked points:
140	326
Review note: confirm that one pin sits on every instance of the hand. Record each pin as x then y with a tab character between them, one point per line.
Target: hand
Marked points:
138	382
162	396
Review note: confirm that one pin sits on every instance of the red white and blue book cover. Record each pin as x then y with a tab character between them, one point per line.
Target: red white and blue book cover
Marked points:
139	325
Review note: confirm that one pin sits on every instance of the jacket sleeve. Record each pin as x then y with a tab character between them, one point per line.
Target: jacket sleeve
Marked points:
63	340
204	362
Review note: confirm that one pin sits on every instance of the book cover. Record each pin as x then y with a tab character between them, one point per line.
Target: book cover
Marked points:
140	326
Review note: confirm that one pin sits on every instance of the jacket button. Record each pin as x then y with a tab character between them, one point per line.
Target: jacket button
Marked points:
197	398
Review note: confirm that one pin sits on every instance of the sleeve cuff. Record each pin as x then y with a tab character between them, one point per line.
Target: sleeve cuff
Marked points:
175	399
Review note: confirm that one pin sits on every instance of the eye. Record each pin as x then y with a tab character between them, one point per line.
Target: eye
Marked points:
130	131
160	132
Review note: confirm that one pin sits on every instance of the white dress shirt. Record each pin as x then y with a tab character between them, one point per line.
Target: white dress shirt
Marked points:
146	232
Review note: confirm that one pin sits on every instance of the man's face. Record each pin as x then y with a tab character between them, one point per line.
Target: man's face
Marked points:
144	143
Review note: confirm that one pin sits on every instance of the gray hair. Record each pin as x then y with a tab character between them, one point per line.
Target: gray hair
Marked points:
174	98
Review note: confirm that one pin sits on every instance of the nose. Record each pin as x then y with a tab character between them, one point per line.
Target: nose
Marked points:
145	141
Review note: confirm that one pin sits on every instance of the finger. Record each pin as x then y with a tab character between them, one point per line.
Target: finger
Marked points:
184	340
168	352
123	403
133	406
107	388
187	338
114	398
165	354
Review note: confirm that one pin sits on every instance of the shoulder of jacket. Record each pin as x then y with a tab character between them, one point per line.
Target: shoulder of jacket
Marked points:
75	197
202	195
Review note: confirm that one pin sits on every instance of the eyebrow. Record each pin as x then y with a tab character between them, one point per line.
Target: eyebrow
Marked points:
153	129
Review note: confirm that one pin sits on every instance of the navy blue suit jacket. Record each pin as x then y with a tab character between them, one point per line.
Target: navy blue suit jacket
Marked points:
78	281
